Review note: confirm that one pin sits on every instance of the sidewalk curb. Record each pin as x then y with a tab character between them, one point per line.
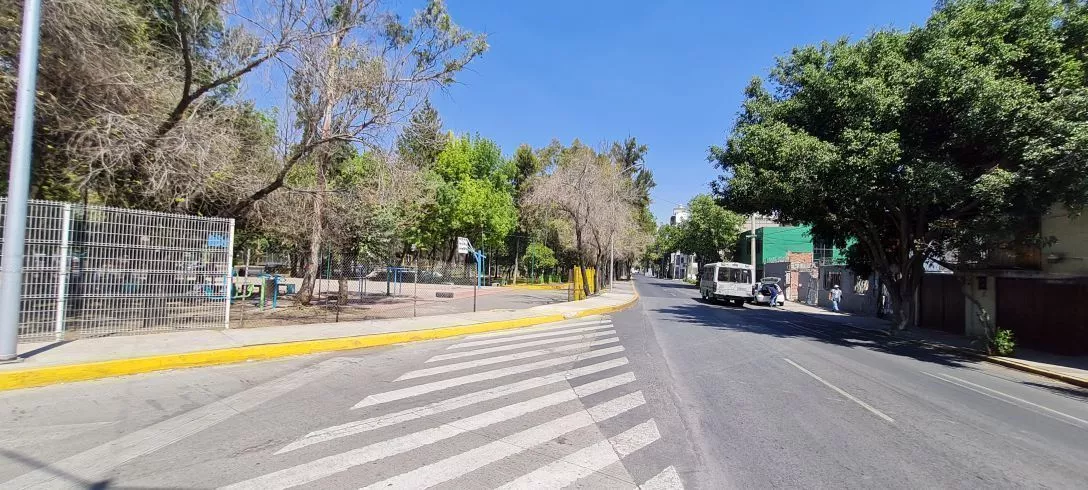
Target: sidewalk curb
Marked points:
1003	361
538	287
67	373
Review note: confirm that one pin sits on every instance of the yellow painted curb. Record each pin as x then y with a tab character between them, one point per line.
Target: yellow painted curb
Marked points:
539	287
27	378
1010	363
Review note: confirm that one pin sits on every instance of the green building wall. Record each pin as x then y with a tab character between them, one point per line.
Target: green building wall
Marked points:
773	244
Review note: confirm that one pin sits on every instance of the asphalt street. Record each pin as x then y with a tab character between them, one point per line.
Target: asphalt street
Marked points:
673	393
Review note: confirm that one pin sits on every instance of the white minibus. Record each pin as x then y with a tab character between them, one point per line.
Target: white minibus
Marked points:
728	281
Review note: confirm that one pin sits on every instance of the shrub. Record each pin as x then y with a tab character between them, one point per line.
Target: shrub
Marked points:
1003	343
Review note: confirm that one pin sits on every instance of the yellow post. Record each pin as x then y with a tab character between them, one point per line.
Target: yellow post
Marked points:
576	278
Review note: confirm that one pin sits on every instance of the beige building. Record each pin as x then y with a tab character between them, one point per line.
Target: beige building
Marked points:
1041	295
1067	255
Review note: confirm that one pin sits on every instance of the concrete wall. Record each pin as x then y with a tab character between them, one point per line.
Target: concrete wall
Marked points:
1071	249
859	295
983	288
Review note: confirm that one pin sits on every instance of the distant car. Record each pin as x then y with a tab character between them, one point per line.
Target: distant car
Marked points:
761	293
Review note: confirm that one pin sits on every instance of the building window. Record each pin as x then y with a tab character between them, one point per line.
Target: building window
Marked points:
822	251
832	279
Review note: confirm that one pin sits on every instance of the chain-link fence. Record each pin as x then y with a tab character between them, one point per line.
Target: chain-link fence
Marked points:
94	270
272	288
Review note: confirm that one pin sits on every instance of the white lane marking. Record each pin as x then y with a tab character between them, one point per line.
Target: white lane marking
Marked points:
528	330
589	460
852	398
474	459
478	343
519	345
330	465
379	398
668	479
360	426
14	436
1083	423
517	356
94	464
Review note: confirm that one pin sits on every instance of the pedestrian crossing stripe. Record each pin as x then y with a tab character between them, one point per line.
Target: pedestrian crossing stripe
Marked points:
589	460
474	459
433	386
593	459
525	332
517	356
373	423
520	345
478	343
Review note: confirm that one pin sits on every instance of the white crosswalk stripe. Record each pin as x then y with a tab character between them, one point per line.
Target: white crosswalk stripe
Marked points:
455	403
584	396
520	345
468	461
668	479
517	356
484	376
478	343
589	460
334	464
523	332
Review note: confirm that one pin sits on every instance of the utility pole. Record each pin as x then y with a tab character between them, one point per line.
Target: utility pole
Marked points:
752	237
611	234
11	272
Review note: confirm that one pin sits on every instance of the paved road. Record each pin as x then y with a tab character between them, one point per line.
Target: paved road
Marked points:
672	393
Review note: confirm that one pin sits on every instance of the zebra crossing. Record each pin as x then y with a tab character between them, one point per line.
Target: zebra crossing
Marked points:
556	406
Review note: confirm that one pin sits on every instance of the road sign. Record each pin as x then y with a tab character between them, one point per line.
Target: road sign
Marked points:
463	245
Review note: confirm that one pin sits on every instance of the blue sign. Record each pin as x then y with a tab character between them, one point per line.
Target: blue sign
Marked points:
217	241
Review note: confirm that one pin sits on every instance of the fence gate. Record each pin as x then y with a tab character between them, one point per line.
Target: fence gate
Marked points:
95	271
942	303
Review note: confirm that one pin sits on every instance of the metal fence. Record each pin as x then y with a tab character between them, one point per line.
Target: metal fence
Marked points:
95	271
270	288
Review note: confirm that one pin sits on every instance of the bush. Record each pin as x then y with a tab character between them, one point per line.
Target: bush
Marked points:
1003	343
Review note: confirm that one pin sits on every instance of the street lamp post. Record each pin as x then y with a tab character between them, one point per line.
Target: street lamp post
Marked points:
11	265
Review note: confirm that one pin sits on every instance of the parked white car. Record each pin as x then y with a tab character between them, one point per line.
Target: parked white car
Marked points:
761	293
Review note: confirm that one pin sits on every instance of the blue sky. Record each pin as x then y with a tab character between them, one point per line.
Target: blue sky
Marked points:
671	74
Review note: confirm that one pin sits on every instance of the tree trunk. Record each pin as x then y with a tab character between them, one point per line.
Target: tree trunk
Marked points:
310	276
581	259
321	157
342	279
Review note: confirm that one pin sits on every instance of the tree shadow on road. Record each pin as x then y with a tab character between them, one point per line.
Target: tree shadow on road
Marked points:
788	324
676	284
70	479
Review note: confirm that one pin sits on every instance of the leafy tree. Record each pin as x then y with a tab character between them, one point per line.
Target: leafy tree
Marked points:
946	139
710	232
422	140
526	165
538	257
666	241
631	156
475	194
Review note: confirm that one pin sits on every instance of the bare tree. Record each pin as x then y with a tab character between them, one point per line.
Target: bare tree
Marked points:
351	85
571	188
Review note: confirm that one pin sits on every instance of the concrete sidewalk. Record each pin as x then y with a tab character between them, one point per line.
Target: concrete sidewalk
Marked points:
56	362
1073	370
